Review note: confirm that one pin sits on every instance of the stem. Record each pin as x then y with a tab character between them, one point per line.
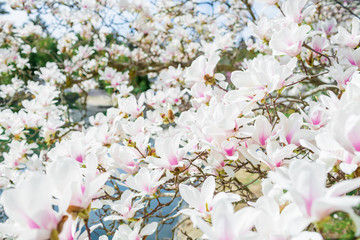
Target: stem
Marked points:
87	228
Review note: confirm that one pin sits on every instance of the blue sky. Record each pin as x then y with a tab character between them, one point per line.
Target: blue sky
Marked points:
20	17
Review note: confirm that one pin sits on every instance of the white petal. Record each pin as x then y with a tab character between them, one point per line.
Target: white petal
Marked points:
149	229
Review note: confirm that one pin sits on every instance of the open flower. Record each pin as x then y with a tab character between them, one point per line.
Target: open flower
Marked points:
124	232
281	223
346	39
125	207
171	156
30	207
145	181
70	185
202	70
289	39
227	225
275	154
306	183
294	10
204	200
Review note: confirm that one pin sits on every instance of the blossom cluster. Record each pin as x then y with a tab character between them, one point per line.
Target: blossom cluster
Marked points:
266	147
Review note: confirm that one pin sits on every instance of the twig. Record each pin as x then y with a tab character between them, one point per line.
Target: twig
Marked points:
87	228
321	54
347	9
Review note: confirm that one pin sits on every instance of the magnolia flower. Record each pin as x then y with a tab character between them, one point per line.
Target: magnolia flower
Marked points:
275	154
132	106
353	56
171	156
262	29
70	185
30	206
108	74
341	139
227	225
289	129
319	44
317	116
144	181
51	73
201	93
203	201
262	130
202	70
70	149
329	151
306	183
346	39
216	162
264	74
124	158
293	10
276	223
327	26
289	40
125	207
98	119
18	153
340	75
345	128
229	149
124	232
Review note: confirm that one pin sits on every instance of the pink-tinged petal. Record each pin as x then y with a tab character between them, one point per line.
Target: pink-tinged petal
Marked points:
308	204
146	189
308	183
351	61
173	160
262	129
13	208
82	188
31	223
353	131
79	158
355	141
316	118
262	139
347	80
289	137
230	151
278	164
304	203
24	202
168	149
46	219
